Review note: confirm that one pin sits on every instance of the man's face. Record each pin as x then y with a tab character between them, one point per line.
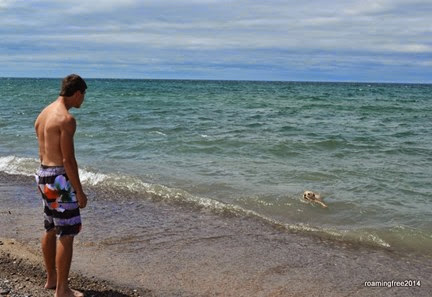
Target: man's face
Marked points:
80	98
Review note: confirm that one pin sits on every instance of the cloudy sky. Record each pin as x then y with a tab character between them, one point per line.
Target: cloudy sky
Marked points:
332	40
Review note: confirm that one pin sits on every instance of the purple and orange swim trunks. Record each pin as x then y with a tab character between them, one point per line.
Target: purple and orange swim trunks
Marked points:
61	210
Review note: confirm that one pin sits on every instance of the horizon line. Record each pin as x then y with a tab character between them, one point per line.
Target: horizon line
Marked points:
228	80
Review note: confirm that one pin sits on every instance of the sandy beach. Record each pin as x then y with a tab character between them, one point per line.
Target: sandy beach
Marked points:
186	252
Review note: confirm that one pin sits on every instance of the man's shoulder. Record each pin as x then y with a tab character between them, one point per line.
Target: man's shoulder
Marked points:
67	118
67	121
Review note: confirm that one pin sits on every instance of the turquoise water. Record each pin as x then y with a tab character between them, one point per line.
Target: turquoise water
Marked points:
251	148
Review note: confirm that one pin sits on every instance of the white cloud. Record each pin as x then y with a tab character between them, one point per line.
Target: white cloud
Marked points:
5	3
426	63
368	7
86	6
408	48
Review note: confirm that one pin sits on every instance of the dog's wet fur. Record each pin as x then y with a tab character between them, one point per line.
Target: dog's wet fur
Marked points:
314	197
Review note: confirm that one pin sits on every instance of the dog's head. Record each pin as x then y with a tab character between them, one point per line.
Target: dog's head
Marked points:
309	195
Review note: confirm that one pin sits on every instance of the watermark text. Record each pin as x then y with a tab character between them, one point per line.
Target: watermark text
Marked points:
393	283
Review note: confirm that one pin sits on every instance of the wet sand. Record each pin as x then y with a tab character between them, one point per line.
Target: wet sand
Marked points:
171	250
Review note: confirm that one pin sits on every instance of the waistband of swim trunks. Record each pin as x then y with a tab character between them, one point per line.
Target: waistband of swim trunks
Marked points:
47	167
50	170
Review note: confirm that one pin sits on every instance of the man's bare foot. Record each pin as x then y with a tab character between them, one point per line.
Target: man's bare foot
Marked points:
50	284
69	293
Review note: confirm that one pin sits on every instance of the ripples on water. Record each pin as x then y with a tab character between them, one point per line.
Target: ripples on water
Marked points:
255	145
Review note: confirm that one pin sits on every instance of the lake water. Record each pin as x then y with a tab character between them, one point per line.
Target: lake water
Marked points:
241	148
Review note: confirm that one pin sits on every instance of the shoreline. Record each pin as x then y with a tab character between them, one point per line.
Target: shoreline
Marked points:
174	251
301	218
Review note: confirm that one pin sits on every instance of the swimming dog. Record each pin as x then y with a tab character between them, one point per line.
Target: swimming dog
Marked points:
314	197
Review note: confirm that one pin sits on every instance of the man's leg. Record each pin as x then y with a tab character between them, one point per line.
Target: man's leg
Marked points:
63	262
49	253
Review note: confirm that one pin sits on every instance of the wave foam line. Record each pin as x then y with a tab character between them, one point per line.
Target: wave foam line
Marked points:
28	167
172	195
18	165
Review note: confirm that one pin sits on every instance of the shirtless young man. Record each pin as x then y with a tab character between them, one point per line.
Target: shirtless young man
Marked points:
59	183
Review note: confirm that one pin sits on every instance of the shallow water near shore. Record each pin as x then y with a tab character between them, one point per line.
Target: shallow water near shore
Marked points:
179	250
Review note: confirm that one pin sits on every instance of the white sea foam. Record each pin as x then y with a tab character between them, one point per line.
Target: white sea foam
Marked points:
91	178
160	133
18	165
375	239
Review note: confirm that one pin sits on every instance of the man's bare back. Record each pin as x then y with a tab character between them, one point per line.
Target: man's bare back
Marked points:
48	126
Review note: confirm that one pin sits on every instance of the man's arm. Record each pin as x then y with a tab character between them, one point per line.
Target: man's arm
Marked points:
67	131
36	127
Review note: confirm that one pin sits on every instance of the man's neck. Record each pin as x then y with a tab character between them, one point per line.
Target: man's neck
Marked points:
64	101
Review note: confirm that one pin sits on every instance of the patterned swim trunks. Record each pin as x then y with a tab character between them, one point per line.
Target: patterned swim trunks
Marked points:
61	210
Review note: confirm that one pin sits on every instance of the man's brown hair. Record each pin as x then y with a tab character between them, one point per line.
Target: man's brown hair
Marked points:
71	84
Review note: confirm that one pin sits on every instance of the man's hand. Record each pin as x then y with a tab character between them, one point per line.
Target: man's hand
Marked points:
82	199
